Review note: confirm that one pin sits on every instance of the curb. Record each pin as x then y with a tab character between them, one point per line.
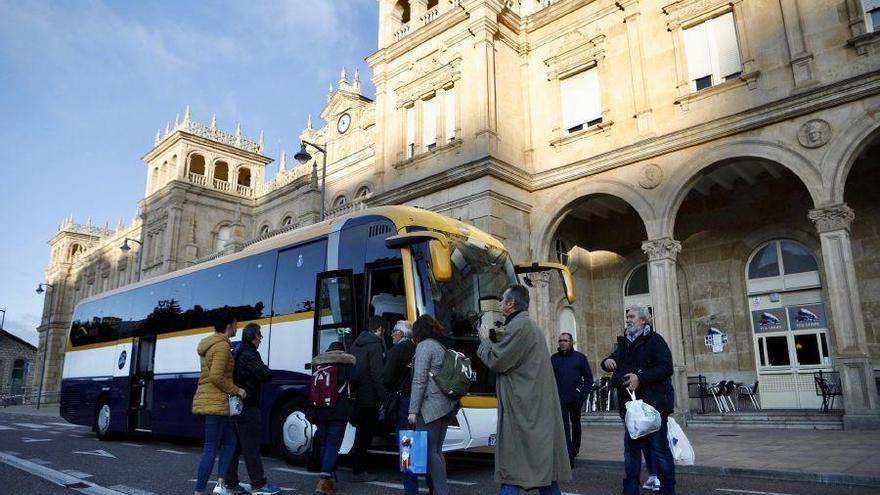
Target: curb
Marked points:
803	476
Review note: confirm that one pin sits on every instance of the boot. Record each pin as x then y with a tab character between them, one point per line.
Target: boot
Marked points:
326	486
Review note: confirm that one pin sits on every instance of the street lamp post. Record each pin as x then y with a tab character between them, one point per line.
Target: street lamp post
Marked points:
4	318
303	157
126	248
41	290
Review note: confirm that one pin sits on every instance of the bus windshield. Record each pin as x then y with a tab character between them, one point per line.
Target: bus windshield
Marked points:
480	275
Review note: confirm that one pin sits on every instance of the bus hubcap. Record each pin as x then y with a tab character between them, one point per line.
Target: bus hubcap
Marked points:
297	433
104	418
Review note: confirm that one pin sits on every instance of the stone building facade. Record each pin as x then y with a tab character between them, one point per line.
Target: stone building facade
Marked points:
713	159
16	365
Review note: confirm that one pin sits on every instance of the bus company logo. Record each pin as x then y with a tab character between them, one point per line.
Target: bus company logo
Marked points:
804	315
122	357
299	261
769	321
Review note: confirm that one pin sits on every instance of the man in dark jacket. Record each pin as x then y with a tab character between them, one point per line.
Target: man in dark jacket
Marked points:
250	374
368	350
642	363
574	380
398	375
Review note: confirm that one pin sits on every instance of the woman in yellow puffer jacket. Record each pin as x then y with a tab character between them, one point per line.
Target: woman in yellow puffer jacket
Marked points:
212	399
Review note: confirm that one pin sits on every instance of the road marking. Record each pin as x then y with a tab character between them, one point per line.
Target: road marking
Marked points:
66	425
99	453
465	483
37	460
77	474
52	432
296	471
32	440
750	492
56	477
130	490
2	428
131	444
169	451
392	485
32	426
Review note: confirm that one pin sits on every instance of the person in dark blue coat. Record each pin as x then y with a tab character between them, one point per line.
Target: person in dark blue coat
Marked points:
574	379
642	363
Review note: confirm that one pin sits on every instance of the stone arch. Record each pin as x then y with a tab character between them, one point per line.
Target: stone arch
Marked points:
340	201
682	180
221	170
843	151
195	163
364	190
243	176
287	220
401	11
563	201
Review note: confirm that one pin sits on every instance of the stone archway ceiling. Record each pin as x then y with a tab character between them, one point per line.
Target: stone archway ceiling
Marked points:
727	175
603	207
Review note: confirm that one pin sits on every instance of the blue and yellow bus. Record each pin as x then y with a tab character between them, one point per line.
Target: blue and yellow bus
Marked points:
131	363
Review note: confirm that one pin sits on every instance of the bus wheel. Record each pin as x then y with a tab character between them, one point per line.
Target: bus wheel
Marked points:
102	420
293	433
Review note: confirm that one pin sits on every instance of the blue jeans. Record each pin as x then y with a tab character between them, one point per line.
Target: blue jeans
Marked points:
650	465
330	435
219	436
552	489
632	457
410	480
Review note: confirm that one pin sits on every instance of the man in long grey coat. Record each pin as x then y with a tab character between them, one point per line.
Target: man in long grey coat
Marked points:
531	450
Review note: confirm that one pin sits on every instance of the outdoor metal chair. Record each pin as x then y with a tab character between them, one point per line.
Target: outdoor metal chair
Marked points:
749	391
729	391
699	389
828	386
717	390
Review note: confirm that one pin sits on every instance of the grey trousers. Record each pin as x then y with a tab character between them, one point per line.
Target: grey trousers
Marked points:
436	463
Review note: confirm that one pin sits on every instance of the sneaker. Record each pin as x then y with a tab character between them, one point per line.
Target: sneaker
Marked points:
364	477
230	490
268	489
656	485
652	484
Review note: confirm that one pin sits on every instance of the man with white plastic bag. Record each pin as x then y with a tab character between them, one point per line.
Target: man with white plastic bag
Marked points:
641	367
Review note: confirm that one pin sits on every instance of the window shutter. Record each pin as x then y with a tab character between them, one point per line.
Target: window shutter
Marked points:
429	122
726	48
410	130
575	94
593	98
450	114
697	48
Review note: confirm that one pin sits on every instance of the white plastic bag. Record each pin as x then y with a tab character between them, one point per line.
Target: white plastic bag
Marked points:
641	419
235	405
682	451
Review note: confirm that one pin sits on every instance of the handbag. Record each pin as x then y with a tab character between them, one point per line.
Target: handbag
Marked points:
390	408
235	405
413	448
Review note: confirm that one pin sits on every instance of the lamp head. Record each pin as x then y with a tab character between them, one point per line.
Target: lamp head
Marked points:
302	156
40	289
125	247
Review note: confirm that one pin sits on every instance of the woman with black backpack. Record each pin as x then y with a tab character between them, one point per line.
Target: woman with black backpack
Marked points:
429	408
331	409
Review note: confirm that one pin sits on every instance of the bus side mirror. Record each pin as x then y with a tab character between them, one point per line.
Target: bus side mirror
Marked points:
543	266
441	261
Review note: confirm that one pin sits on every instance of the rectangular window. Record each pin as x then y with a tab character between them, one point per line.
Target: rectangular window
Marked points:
336	310
806	348
712	52
872	15
410	131
295	278
777	351
429	123
581	101
450	114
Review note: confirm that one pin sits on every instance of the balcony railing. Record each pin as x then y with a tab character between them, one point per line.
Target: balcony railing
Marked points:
431	15
198	179
402	32
222	185
244	190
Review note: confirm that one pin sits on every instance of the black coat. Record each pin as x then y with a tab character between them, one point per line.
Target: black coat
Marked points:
398	371
368	350
250	373
574	378
651	360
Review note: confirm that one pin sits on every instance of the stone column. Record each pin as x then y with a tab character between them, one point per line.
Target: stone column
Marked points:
662	279
539	307
851	357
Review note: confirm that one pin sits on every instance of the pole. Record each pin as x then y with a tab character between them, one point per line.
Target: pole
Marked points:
43	371
4	318
323	182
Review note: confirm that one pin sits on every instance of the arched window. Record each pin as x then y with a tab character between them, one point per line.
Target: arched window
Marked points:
340	201
782	265
221	171
562	248
362	192
636	289
401	10
287	221
75	250
223	236
154	178
264	230
244	177
568	322
197	164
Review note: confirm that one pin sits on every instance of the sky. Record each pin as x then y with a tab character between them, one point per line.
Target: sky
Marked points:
84	85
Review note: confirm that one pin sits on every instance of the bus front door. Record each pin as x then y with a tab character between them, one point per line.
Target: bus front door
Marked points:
141	395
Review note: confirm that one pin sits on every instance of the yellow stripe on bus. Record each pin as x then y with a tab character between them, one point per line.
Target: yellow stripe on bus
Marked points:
479	402
307	315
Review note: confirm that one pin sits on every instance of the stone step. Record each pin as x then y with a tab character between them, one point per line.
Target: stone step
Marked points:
770	420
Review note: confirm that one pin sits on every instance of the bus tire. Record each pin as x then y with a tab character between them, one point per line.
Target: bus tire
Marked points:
281	416
102	420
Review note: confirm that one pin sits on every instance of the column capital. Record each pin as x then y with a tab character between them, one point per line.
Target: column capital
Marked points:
831	218
661	249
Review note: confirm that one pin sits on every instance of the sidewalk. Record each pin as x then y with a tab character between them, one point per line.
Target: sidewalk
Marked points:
48	410
851	457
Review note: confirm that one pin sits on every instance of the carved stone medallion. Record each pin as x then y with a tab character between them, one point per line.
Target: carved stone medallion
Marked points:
650	176
814	133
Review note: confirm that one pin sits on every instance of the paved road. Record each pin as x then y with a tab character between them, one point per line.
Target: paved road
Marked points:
35	450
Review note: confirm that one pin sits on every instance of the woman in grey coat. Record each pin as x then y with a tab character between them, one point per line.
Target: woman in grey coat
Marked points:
429	409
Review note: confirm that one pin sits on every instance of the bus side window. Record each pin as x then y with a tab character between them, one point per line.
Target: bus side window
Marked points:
295	276
386	296
335	318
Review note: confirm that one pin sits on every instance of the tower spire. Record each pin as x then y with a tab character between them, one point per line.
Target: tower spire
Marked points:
261	141
357	81
177	120
282	165
167	128
330	93
187	117
309	122
214	121
343	78
158	136
238	134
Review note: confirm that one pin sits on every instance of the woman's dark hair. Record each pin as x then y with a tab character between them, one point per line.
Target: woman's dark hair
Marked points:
335	346
426	327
